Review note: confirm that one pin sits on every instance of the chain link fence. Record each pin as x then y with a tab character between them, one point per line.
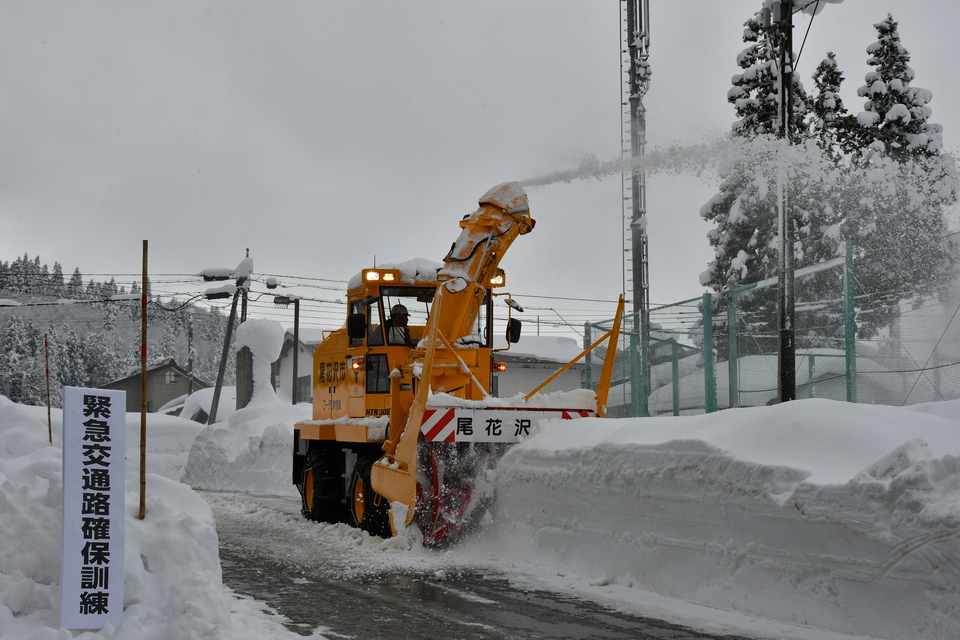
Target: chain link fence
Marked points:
716	352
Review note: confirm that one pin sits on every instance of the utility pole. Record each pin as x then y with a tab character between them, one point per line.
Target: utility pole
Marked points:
638	81
144	298
237	291
782	15
212	416
190	353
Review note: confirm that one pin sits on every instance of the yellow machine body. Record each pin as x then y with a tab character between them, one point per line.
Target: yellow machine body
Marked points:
357	459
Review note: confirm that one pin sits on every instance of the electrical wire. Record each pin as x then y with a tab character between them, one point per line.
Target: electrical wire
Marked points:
796	62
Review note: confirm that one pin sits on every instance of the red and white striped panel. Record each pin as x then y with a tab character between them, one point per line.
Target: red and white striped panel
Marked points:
489	425
439	425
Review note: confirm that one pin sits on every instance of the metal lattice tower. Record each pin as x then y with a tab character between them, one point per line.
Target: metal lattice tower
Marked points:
635	71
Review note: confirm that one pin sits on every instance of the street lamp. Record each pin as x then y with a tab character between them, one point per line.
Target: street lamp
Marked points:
284	302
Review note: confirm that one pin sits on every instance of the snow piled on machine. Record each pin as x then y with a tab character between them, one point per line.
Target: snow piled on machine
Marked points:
584	399
411	271
838	516
172	577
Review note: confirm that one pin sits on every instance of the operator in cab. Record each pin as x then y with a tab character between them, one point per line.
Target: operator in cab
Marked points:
397	331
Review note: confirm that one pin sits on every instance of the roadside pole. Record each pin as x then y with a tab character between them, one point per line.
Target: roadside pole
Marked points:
143	388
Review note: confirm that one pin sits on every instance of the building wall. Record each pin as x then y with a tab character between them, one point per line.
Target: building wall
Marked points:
523	378
159	391
285	373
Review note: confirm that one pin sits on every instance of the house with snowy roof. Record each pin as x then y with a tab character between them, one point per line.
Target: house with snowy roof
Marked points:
166	381
283	368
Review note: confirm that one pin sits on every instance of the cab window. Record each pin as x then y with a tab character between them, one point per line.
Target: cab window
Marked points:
374	324
415	300
378	373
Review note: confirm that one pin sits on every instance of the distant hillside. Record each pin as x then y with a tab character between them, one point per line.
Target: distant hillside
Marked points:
91	341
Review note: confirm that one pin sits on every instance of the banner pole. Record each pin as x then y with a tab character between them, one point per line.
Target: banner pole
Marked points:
143	388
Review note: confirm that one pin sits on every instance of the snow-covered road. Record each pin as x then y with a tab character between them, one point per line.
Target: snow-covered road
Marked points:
336	581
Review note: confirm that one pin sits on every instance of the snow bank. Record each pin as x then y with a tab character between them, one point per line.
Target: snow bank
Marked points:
250	452
168	437
172	579
202	400
838	516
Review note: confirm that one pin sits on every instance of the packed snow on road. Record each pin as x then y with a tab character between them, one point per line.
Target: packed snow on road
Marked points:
812	519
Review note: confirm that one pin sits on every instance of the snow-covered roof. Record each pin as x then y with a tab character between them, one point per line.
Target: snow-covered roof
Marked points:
543	348
166	363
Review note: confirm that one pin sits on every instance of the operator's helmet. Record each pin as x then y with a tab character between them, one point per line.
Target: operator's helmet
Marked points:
399	310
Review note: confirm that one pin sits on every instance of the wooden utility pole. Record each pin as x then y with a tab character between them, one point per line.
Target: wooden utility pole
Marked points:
143	388
215	403
786	303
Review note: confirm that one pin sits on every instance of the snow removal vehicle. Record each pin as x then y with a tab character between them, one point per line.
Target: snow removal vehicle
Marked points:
404	428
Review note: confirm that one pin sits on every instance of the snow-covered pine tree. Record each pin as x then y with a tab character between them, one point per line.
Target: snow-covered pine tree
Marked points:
75	286
12	344
19	274
43	286
56	280
825	170
895	114
21	371
744	211
903	184
755	90
830	122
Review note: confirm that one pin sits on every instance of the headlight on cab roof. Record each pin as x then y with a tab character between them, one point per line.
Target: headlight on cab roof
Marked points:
381	275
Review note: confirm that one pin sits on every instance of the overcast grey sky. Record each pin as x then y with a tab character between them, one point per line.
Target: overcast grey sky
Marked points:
324	134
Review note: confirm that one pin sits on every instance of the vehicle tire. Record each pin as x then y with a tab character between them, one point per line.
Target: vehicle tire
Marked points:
321	490
311	506
366	509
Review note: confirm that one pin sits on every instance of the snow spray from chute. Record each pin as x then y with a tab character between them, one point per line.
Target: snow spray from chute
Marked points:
762	157
696	160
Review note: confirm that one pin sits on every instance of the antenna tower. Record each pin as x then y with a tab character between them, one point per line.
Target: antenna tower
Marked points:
635	70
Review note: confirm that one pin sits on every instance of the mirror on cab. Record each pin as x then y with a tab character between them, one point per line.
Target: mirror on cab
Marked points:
356	326
513	330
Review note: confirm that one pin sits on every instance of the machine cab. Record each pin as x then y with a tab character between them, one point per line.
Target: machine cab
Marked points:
370	372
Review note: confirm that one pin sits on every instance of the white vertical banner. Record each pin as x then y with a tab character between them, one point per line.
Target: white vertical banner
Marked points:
91	568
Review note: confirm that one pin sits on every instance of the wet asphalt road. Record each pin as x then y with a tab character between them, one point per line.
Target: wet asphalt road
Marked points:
453	605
